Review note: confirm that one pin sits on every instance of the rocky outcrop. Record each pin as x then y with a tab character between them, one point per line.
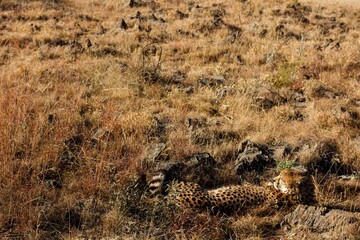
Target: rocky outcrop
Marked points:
253	156
309	222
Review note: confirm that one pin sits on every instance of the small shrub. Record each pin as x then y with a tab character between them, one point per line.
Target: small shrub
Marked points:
280	165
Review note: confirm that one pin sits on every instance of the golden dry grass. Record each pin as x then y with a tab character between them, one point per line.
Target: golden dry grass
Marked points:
69	68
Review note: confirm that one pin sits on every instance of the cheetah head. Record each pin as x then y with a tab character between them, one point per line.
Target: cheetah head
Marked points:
290	179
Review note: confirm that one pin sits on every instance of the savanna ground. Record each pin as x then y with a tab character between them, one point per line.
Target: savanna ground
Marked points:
87	86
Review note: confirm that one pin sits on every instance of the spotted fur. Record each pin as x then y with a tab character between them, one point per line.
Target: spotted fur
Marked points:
289	188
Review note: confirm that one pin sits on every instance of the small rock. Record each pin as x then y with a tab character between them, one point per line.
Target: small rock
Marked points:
136	3
310	72
322	92
182	15
178	77
194	123
189	90
99	134
253	157
218	79
267	99
212	81
153	152
298	99
221	93
51	178
203	159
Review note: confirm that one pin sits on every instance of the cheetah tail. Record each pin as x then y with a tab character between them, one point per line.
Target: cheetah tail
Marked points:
156	184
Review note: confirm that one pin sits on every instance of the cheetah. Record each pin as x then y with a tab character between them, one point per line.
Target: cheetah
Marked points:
290	187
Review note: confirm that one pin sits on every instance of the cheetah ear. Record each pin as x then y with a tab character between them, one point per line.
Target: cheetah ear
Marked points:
300	181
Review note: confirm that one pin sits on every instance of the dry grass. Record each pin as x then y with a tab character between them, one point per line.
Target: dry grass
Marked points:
69	68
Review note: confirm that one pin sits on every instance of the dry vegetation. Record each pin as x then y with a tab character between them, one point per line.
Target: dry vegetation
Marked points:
87	86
